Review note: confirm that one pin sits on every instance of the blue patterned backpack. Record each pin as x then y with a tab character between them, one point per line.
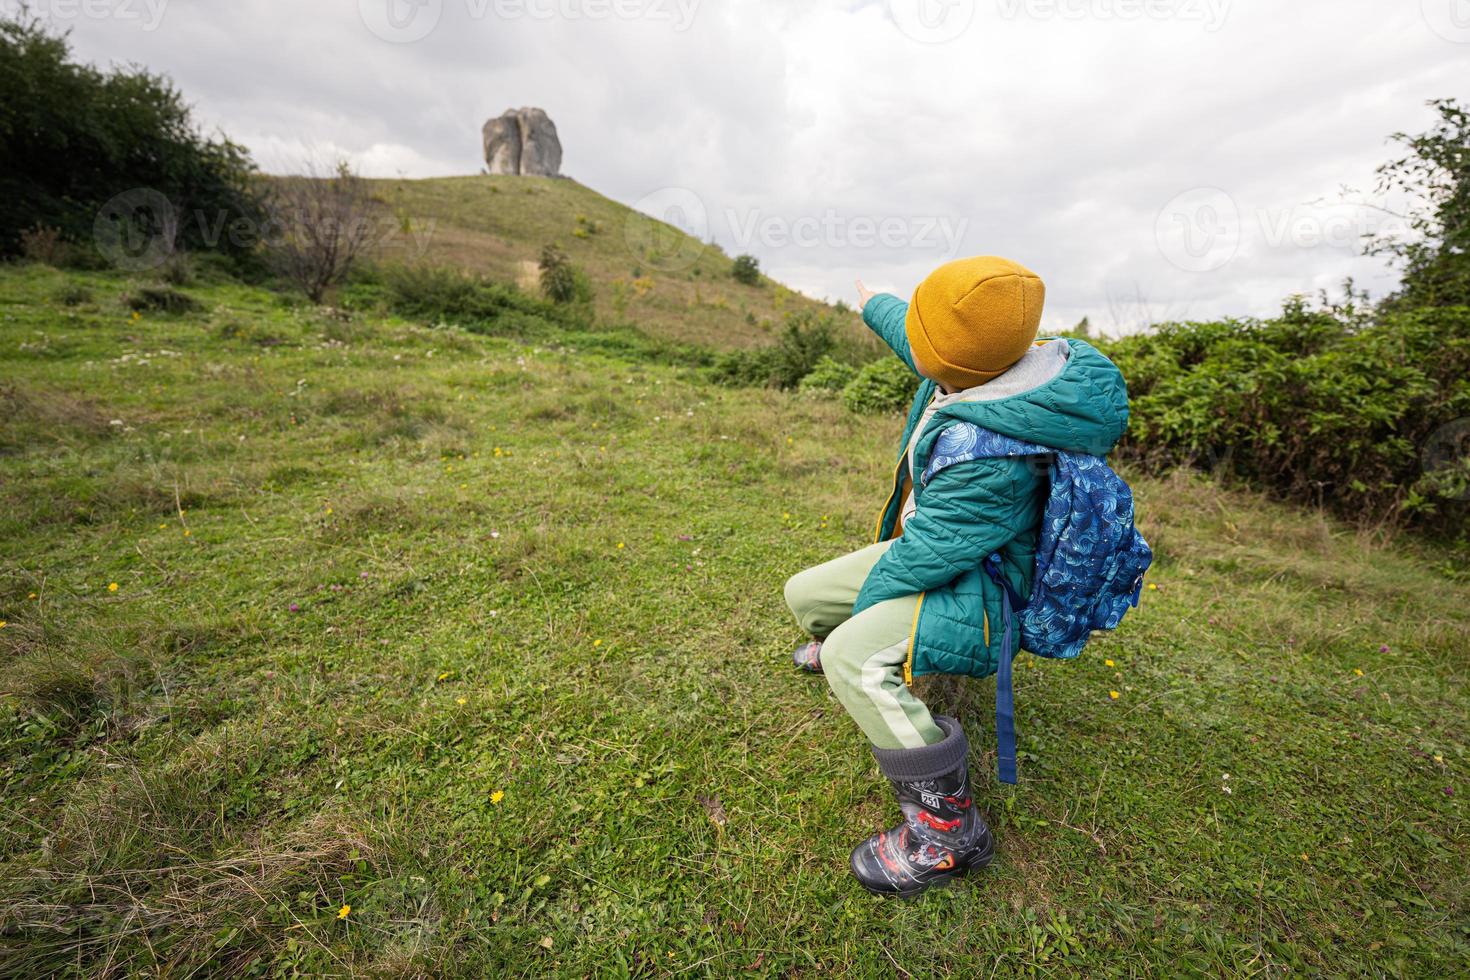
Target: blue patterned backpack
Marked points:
1090	560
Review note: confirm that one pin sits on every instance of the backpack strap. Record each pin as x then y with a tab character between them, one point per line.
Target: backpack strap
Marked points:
1005	697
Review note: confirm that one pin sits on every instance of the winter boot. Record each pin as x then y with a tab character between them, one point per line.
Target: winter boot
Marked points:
942	835
808	657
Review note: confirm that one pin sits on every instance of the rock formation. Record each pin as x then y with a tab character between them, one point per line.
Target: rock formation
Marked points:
522	141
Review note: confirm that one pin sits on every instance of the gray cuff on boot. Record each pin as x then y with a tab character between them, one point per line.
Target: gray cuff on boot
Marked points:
929	762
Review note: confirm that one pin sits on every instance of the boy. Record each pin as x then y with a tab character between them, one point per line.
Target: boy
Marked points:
917	601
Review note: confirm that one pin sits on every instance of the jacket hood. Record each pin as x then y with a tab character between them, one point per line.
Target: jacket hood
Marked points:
1083	408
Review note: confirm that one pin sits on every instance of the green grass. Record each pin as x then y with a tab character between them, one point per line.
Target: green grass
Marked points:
423	568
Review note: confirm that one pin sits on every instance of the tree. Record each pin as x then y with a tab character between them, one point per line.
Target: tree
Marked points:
90	153
1435	174
319	226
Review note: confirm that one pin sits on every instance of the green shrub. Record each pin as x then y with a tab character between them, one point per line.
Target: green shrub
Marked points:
161	299
829	374
72	294
1314	406
562	282
885	385
438	294
746	269
806	339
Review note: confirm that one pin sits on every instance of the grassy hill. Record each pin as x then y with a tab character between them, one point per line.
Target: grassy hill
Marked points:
672	285
341	644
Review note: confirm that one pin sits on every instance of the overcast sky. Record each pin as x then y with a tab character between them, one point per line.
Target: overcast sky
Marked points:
1149	158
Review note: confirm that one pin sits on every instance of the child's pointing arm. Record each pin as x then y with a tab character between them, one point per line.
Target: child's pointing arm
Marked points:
884	314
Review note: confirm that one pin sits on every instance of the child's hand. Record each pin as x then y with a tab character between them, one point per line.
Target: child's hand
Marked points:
864	294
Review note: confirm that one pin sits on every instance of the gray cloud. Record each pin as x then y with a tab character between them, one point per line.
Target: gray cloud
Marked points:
1052	131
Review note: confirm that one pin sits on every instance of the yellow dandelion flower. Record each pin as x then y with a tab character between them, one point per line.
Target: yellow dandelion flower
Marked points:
1306	856
1358	671
329	510
597	643
620	544
444	676
497	796
344	911
187	532
1114	695
459	700
1437	757
3	624
111	586
1152	587
162	526
1107	663
31	596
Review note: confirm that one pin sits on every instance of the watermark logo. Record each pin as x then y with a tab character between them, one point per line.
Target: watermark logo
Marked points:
932	21
136	230
1211	14
406	21
1199	230
833	230
667	229
1450	19
1446	460
400	21
146	14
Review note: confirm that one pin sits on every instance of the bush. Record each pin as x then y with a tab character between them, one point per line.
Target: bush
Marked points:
747	270
321	224
1311	406
562	282
444	295
161	299
73	138
829	374
885	385
806	339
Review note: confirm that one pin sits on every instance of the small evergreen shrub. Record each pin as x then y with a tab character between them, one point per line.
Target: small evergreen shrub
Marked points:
562	282
746	270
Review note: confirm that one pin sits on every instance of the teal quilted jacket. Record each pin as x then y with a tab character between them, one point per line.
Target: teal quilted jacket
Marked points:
983	506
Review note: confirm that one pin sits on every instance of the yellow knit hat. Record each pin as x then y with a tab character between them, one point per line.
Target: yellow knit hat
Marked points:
971	319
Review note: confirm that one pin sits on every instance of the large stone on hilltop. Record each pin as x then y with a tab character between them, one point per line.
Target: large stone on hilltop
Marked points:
522	141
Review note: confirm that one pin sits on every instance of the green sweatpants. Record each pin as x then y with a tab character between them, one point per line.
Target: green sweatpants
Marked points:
863	655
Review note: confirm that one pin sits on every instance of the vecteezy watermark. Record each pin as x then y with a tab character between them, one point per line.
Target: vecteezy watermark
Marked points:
1450	19
147	14
141	229
1199	230
406	21
932	21
137	229
831	229
667	228
1446	460
1209	13
1202	229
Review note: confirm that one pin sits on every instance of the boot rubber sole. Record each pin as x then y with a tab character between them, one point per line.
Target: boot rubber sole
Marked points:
975	863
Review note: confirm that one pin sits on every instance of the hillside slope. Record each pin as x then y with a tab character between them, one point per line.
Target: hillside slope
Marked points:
644	271
341	645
